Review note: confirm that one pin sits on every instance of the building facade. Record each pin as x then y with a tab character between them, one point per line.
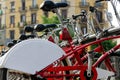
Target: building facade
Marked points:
77	6
17	14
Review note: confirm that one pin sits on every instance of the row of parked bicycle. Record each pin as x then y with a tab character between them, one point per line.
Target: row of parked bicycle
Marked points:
77	63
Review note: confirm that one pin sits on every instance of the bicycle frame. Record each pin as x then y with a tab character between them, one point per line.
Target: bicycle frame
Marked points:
64	67
80	65
73	51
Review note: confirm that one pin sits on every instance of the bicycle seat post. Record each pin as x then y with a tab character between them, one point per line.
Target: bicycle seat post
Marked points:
59	16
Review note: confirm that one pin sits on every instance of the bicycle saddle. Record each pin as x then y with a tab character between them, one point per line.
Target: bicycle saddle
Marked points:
41	27
50	5
31	36
10	44
14	41
50	25
28	29
23	37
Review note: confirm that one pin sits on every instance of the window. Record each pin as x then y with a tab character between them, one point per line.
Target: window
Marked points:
0	23
99	16
21	31
98	4
33	3
23	18
12	19
63	0
23	4
83	3
33	18
64	13
1	12
12	6
0	6
12	34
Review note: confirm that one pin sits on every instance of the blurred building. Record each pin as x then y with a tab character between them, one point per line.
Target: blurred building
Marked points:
18	13
15	14
77	6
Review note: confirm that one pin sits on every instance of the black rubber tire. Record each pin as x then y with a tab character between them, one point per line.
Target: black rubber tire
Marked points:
64	62
3	72
5	75
33	77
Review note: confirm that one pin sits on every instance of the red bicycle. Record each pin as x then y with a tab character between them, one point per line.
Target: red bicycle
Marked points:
84	70
75	62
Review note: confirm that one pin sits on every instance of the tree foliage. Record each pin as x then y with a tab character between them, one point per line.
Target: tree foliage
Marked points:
55	20
107	45
51	20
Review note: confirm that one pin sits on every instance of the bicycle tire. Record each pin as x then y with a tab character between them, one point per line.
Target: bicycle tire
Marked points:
7	74
3	72
65	63
116	53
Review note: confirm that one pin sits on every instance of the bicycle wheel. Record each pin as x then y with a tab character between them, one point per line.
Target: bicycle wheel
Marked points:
3	72
8	74
114	61
64	62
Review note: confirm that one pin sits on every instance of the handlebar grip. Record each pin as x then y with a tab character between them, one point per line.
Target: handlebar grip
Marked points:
75	16
83	13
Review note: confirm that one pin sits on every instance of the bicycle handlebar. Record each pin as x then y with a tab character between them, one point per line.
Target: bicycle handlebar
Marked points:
83	13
